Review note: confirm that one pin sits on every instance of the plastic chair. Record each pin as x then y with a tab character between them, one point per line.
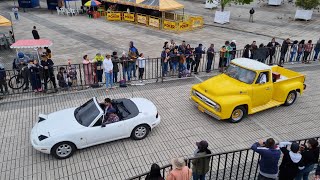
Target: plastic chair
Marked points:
72	11
67	11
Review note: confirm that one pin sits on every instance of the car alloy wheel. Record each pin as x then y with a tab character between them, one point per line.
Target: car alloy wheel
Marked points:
140	132
291	98
63	150
238	114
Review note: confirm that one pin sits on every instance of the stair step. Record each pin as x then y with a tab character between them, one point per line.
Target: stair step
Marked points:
270	104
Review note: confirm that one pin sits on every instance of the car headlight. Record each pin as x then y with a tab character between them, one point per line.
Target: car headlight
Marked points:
42	137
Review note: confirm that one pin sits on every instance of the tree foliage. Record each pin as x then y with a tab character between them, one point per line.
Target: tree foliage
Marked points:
224	3
308	4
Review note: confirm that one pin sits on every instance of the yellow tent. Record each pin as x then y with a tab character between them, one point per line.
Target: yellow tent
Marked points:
4	21
161	5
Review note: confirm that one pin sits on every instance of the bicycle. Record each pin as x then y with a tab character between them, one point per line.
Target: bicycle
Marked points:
17	81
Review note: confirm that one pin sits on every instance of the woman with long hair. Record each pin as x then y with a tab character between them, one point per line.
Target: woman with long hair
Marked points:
154	173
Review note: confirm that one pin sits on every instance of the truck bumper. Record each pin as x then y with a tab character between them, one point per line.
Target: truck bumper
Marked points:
203	109
304	86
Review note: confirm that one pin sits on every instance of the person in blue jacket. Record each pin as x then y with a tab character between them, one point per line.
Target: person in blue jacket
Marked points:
270	155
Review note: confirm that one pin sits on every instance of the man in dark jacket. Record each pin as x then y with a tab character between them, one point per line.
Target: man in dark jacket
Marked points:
251	12
133	55
270	156
115	62
210	56
198	55
284	49
3	80
201	165
47	66
316	50
261	53
35	33
272	49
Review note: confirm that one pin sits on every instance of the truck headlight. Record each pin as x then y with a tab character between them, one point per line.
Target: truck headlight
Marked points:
217	107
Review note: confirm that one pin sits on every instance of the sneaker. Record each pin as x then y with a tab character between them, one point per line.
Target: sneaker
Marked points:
292	62
39	90
140	81
35	90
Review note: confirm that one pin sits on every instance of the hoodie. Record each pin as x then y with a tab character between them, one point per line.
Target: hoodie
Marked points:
291	163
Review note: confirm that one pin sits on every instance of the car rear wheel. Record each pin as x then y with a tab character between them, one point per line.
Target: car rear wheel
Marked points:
140	132
291	98
63	150
238	114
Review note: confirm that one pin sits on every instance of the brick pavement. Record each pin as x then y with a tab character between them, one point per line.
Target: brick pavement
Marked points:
182	125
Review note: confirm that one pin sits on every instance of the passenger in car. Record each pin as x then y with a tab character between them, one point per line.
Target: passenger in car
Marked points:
111	117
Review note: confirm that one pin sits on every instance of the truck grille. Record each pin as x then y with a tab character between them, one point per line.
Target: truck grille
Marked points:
205	99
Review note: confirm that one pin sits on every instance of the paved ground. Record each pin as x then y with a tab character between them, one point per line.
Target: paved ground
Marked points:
182	125
75	36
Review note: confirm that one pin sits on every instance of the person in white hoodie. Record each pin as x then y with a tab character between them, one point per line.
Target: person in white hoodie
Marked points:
108	67
292	161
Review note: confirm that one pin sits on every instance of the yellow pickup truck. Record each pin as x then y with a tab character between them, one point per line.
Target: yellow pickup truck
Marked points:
246	87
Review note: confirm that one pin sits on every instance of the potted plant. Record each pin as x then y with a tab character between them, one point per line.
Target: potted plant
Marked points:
306	11
223	16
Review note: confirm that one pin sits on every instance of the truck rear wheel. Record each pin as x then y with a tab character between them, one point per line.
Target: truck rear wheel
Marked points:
291	98
238	114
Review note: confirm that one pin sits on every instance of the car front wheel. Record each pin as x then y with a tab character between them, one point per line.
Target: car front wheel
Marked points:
140	132
63	150
238	114
291	98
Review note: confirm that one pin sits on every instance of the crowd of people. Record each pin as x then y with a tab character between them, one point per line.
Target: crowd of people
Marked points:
176	60
297	162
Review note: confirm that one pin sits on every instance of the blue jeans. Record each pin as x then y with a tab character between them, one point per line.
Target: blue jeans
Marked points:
304	174
298	57
126	71
164	68
292	54
16	16
109	79
316	53
198	176
175	65
132	69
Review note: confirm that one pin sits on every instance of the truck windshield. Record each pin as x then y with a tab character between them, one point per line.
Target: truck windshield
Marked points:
241	74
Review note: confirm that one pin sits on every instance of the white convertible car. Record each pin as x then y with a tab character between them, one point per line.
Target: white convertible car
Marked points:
63	132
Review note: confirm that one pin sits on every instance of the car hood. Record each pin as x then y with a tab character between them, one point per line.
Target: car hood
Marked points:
144	105
58	122
223	85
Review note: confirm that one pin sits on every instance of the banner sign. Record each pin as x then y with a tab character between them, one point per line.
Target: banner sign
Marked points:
154	22
128	17
196	22
114	16
142	19
170	25
183	26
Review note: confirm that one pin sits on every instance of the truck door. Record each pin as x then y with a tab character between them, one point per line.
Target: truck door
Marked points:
262	89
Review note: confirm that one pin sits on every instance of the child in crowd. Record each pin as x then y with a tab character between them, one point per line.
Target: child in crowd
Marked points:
141	64
63	78
72	74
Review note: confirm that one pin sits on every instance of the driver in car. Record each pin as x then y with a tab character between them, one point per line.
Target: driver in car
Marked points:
107	105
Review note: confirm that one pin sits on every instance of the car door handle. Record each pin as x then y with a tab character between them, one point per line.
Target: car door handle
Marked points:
268	88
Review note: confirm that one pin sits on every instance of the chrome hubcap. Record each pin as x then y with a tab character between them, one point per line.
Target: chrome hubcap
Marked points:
237	114
140	132
291	98
64	150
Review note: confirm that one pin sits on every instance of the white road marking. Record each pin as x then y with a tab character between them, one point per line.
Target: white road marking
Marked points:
199	79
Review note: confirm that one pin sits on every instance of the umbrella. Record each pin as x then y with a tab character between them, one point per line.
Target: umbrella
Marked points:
92	3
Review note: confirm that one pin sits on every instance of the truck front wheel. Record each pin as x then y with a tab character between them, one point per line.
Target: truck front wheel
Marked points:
291	98
238	114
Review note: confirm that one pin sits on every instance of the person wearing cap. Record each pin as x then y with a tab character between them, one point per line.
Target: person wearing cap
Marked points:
292	161
200	165
198	55
179	170
270	155
108	71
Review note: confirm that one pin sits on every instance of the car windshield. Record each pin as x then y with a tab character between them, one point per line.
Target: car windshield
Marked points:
241	74
86	113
